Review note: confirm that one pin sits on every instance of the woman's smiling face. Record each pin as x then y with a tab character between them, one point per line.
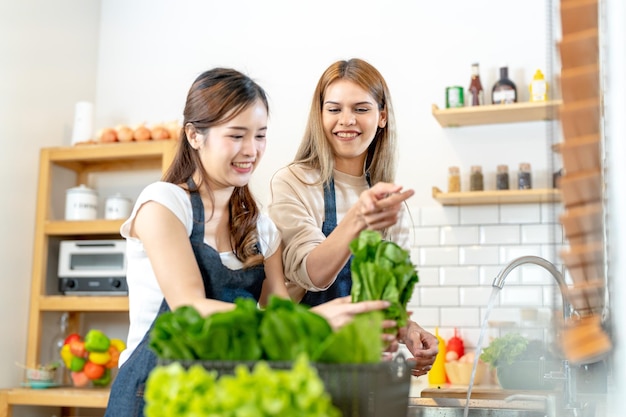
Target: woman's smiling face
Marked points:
231	151
350	117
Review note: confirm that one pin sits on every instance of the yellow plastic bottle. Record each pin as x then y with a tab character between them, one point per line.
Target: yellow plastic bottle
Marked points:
538	87
437	374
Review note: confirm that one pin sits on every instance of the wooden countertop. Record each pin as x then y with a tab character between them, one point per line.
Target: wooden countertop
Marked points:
478	393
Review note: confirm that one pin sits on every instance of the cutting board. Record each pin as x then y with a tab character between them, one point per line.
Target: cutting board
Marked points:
478	393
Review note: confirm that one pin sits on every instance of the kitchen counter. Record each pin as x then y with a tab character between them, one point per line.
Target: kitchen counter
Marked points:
479	392
421	389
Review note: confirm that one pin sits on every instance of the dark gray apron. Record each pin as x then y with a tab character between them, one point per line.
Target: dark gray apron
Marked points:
220	283
343	283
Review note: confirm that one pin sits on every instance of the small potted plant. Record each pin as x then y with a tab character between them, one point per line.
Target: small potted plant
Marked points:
520	363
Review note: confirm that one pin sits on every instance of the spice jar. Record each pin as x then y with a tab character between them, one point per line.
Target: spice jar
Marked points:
476	178
502	177
524	179
454	179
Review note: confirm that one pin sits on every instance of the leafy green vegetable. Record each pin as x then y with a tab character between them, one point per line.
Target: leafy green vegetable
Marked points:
514	347
365	346
289	329
505	349
263	392
382	270
281	332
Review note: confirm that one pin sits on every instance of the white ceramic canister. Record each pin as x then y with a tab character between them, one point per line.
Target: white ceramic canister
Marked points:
81	203
117	207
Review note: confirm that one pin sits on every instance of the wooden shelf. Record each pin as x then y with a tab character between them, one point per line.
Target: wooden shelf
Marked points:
494	114
85	303
82	227
54	397
113	156
83	161
497	197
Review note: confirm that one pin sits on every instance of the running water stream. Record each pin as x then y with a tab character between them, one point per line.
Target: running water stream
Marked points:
492	299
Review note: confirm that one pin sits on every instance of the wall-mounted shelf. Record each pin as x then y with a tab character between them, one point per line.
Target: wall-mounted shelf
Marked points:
493	114
113	303
469	198
53	397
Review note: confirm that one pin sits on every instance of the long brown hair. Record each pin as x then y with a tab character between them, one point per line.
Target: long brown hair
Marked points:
316	152
215	97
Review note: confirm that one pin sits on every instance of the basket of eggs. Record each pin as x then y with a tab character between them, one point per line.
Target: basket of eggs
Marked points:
139	133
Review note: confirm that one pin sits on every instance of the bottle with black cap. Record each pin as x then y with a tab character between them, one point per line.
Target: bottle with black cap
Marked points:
504	90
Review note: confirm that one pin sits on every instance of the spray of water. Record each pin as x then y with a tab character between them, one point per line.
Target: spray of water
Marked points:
492	299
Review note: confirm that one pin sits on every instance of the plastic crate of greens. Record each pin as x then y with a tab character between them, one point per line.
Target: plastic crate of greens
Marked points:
347	360
356	390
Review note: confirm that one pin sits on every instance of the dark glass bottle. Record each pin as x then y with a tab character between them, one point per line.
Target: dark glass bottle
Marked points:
504	90
476	93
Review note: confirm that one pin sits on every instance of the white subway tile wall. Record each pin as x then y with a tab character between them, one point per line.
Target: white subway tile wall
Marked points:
460	250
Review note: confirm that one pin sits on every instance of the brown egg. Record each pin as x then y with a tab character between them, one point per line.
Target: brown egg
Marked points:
124	133
142	133
160	132
107	135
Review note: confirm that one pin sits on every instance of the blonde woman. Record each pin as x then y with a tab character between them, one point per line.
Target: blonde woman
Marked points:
342	182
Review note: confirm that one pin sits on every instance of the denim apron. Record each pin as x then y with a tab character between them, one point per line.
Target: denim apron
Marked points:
343	283
220	283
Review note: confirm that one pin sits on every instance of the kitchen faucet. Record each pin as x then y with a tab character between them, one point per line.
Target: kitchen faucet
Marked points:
567	376
547	265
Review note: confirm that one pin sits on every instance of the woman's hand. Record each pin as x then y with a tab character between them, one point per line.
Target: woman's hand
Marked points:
423	345
379	206
341	311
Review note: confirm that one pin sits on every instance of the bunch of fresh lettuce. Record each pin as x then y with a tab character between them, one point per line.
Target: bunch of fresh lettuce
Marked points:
184	334
281	332
263	392
382	270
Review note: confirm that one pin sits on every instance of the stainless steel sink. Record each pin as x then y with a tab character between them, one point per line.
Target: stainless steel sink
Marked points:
446	407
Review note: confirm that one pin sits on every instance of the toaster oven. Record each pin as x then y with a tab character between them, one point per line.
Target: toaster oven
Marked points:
92	267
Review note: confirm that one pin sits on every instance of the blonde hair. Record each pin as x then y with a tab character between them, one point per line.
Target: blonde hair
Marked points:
316	152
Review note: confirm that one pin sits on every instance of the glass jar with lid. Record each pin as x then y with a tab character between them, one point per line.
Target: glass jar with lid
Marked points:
502	177
524	178
454	179
476	178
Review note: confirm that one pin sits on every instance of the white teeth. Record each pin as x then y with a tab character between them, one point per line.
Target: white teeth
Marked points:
242	164
347	135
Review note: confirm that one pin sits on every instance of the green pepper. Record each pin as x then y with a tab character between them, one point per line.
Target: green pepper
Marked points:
97	341
104	380
77	364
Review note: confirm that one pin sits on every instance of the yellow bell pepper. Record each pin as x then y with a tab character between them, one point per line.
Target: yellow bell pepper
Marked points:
100	358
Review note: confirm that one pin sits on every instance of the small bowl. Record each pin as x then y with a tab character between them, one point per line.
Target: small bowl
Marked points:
460	373
40	375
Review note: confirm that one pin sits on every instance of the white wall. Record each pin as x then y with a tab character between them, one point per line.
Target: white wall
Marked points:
150	52
47	63
136	60
419	47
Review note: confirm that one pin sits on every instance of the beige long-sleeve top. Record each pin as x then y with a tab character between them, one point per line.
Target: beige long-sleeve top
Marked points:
297	209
